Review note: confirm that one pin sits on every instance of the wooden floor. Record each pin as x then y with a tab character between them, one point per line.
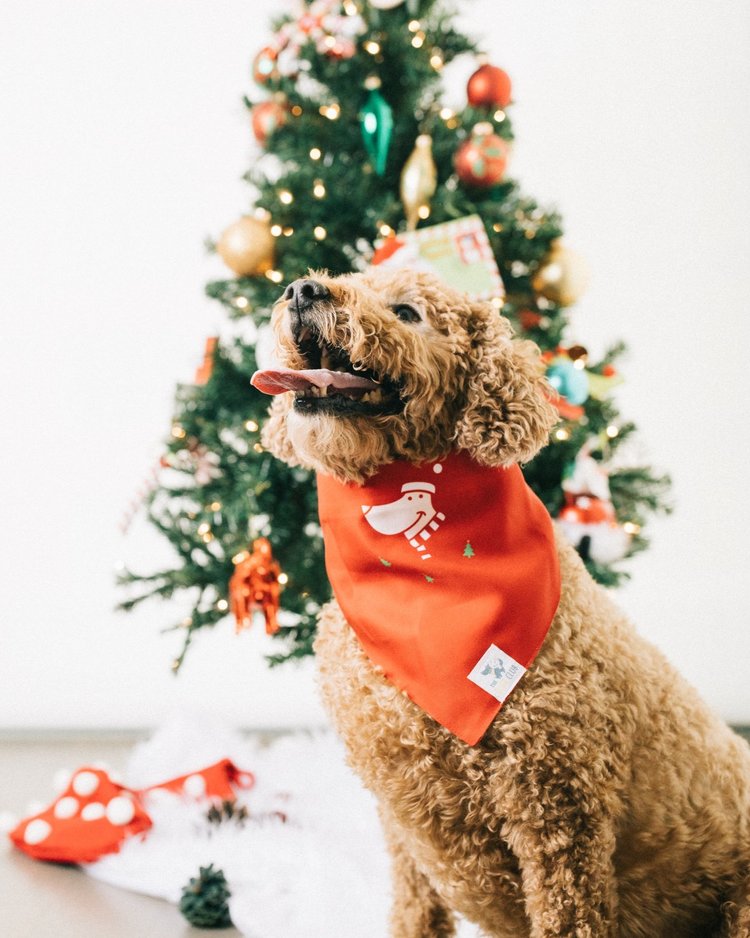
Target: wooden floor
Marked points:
46	900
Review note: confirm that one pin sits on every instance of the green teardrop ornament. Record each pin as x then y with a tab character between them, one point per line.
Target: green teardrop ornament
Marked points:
376	120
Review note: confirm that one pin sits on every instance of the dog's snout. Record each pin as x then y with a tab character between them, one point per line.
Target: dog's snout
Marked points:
304	293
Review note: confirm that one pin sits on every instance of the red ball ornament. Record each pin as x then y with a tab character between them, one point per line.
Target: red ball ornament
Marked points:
480	161
489	87
267	117
529	319
264	65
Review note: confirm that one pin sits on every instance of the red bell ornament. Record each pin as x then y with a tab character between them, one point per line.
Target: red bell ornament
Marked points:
480	161
266	117
489	87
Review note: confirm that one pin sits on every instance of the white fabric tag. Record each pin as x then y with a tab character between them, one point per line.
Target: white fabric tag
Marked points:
497	673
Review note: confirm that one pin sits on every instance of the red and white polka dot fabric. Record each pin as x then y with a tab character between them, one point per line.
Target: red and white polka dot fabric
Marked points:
94	815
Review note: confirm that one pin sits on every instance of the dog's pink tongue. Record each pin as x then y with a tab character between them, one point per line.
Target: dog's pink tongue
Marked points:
279	380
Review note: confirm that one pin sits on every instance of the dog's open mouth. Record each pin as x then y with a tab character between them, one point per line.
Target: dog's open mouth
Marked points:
331	384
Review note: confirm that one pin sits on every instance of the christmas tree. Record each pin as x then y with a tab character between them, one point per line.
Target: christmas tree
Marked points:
359	147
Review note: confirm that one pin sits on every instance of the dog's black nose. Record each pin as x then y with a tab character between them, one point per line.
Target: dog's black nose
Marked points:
303	293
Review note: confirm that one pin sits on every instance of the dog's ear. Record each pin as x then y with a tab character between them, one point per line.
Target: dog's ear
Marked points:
274	436
507	415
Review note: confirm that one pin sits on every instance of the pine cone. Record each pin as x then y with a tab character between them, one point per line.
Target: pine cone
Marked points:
204	899
227	811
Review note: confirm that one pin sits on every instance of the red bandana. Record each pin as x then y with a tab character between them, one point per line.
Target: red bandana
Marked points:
448	574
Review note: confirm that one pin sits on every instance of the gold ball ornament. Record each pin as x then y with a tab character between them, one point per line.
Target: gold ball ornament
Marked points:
562	277
418	181
247	246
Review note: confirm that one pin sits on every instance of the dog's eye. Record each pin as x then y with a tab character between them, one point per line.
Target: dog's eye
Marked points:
406	313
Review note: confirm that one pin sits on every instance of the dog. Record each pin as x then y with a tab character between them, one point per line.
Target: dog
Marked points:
603	798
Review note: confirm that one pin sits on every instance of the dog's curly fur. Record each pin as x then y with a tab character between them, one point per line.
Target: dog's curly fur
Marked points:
605	801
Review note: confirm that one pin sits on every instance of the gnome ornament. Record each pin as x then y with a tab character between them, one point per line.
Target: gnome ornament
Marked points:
588	518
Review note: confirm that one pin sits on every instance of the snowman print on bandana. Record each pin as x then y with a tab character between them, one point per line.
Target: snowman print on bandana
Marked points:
412	515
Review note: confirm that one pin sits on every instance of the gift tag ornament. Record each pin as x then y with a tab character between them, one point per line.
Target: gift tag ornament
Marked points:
376	120
247	246
418	181
480	161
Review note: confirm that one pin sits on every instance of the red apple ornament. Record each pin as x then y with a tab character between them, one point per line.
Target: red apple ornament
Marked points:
480	161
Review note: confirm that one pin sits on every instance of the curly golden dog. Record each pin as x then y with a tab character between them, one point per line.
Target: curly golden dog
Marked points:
605	800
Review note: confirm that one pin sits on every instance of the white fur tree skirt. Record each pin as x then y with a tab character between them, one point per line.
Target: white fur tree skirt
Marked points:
322	873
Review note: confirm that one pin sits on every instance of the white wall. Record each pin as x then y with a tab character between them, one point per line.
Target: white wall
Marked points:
123	140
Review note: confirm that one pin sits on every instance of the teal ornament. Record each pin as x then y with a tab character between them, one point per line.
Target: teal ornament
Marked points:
570	382
376	120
